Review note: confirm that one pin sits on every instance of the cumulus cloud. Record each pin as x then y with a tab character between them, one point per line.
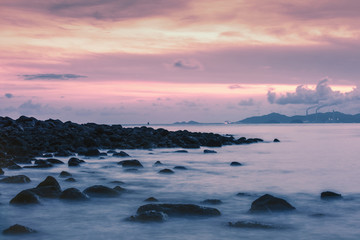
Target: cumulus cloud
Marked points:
8	95
248	102
51	76
187	64
322	96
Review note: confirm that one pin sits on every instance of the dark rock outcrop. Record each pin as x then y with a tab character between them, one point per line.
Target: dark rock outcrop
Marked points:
25	197
64	174
73	194
212	201
74	162
121	154
158	163
269	203
49	188
149	216
18	230
16	179
180	210
166	171
330	195
209	151
130	163
180	168
235	164
276	140
101	191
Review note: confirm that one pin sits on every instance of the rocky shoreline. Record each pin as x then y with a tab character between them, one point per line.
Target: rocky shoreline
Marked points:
29	137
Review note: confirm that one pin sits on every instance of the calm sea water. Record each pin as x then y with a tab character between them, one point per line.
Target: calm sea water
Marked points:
310	158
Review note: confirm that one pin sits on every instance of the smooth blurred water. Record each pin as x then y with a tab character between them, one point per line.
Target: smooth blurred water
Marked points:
310	158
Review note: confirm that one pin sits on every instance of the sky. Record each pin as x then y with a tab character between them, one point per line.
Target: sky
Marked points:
162	61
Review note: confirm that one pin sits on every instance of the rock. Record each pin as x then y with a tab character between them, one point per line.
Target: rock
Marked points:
16	179
22	160
330	195
181	151
166	171
180	210
49	188
251	224
74	162
92	152
158	163
63	153
25	197
242	194
212	201
40	164
276	140
119	189
151	199
269	203
73	194
47	155
70	179
235	164
18	229
54	161
14	167
64	174
121	154
111	152
1	172
209	151
117	182
101	191
180	168
130	163
149	216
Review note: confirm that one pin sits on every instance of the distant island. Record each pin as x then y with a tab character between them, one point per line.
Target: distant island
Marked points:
189	122
328	117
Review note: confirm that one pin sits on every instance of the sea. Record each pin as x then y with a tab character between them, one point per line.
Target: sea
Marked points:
309	159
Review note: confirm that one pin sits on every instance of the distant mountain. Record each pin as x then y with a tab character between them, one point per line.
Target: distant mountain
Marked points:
329	117
189	122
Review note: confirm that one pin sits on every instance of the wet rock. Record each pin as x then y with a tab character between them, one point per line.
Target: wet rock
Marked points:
212	201
74	162
16	179
64	174
330	195
25	197
70	179
63	153
209	151
180	210
1	172
149	216
119	189
40	164
166	171
251	224
73	194
54	161
18	229
101	191
121	154
180	168
92	152
181	151
151	199
235	164
117	182
14	167
276	140
47	155
269	203
49	188
130	163
158	163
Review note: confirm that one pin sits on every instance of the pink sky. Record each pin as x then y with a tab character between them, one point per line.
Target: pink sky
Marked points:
134	61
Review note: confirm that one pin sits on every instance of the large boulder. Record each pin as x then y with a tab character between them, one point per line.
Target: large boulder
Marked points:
180	210
16	179
25	197
101	191
330	195
269	203
131	163
49	188
74	162
18	229
149	216
73	194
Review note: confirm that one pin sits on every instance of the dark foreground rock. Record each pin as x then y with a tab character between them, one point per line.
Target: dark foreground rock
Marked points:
269	203
25	197
73	194
101	191
131	163
18	229
49	188
74	162
16	179
180	210
29	137
330	195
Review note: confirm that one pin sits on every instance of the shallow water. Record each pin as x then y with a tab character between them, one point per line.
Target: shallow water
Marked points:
310	158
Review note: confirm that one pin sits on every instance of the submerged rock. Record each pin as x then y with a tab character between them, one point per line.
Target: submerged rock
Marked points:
158	163
166	171
130	163
18	229
25	197
16	179
73	194
181	151
180	168
251	224
180	210
209	151
235	164
70	179
212	201
149	216
151	199
64	174
121	154
269	203
330	195
101	191
119	189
